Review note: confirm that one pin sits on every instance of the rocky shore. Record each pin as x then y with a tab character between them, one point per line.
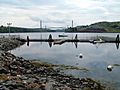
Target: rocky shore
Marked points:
16	73
9	44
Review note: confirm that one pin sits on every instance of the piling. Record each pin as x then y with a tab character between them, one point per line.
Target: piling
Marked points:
28	40
117	41
117	38
50	37
76	37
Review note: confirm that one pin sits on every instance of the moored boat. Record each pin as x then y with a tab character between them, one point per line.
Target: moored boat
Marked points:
63	35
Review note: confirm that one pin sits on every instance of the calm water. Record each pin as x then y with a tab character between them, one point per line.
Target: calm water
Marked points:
96	57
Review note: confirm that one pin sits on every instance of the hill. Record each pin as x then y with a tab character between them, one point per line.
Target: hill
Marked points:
4	29
97	27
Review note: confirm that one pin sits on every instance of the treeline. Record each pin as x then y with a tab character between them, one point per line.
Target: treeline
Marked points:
4	29
97	27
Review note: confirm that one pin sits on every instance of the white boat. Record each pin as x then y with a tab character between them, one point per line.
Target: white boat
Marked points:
97	41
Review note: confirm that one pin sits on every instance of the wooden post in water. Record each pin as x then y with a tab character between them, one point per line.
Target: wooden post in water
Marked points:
76	37
50	40
76	43
117	41
50	37
117	38
27	40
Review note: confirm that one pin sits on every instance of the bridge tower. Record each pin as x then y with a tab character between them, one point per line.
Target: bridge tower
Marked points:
41	24
72	23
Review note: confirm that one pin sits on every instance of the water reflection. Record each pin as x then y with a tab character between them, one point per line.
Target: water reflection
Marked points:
117	45
117	41
76	44
28	43
50	44
94	40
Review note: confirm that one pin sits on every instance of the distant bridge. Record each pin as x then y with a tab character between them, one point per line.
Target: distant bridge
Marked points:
55	28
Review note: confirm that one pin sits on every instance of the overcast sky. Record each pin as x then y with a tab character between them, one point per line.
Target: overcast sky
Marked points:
28	13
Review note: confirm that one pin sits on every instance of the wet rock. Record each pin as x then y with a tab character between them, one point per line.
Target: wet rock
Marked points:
9	44
43	86
23	77
4	88
17	63
3	70
13	67
14	73
29	72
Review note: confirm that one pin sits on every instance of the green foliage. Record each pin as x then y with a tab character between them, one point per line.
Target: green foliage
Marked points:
108	26
98	27
61	67
4	29
41	64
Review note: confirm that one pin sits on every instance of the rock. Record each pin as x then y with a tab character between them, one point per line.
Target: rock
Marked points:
16	63
23	77
3	70
13	73
28	72
13	67
30	80
43	85
4	88
19	76
14	85
1	81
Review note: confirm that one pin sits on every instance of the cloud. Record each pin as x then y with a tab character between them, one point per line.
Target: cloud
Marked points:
58	12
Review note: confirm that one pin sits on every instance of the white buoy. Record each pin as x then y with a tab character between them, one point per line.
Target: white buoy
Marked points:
80	55
109	67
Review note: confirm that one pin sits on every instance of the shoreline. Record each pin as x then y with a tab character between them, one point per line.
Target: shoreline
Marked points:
18	73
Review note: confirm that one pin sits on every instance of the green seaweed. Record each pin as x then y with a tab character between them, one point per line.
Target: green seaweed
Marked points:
37	63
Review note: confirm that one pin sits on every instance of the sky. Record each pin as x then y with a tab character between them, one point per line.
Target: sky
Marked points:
57	13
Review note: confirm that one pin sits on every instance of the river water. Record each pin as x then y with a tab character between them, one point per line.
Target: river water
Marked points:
96	57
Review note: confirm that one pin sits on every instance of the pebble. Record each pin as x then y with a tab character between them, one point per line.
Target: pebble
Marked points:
3	70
